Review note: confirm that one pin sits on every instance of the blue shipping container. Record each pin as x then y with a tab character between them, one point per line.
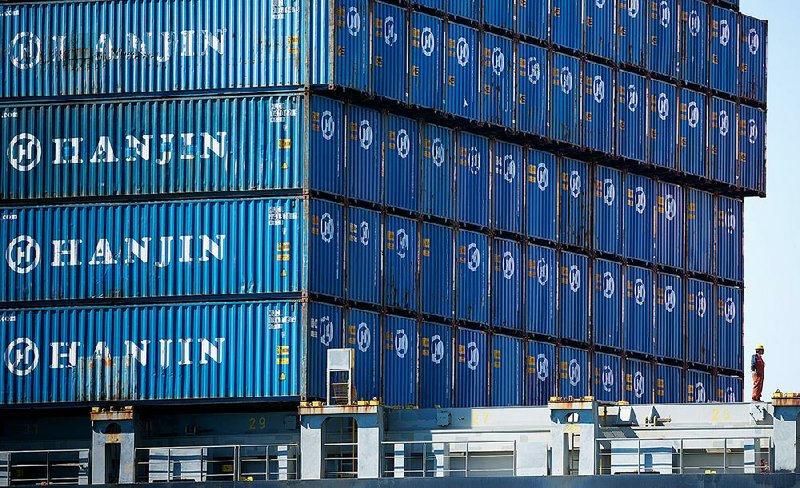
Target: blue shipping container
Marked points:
699	230
399	361
631	126
598	107
670	218
434	4
400	263
466	9
472	372
506	284
692	133
573	297
598	26
752	58
425	61
541	373
729	238
541	197
699	388
389	45
752	148
438	167
507	187
565	98
694	42
532	69
663	35
607	377
472	179
540	291
729	389
662	125
607	210
500	13
575	203
364	152
472	277
669	316
722	142
607	304
638	382
723	62
532	19
573	372
364	279
728	334
462	87
401	163
699	322
325	328
363	335
632	40
565	24
638	321
506	371
436	270
436	366
668	384
640	199
497	76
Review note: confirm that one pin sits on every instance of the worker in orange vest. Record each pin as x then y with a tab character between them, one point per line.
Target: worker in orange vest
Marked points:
757	367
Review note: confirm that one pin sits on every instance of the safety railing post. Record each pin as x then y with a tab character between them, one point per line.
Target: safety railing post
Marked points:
638	456
680	461
724	456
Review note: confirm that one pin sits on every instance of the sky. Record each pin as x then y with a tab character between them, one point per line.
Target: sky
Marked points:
772	225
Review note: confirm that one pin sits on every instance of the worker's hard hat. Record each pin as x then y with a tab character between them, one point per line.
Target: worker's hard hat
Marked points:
760	346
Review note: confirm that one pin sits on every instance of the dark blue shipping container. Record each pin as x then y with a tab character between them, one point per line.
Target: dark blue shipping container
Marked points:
699	387
638	382
670	219
472	277
399	361
466	9
425	60
598	107
363	335
565	98
598	26
401	163
607	304
434	4
532	69
436	270
436	366
364	151
364	280
472	372
573	297
632	40
497	76
640	200
346	63
389	46
326	130
728	334
724	70
540	291
325	328
607	377
565	24
669	316
752	146
663	35
729	238
638	321
575	203
729	389
472	179
668	384
462	88
694	42
507	187
699	322
541	373
500	13
631	126
506	284
699	231
752	58
400	263
506	371
607	210
532	19
730	3
663	124
573	372
722	140
692	133
541	195
438	168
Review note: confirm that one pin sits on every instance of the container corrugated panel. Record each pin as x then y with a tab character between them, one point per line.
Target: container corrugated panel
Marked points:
507	187
436	270
434	4
364	248
670	219
638	382
607	304
500	13
349	57
752	58
638	320
752	146
729	389
723	62
324	332
541	195
663	124
506	378
472	277
438	167
472	179
565	24
400	263
466	9
399	361
540	290
436	365
506	284
363	335
326	130
532	19
573	297
573	372
565	98
699	231
699	322
541	372
632	40
668	384
598	24
728	334
729	238
640	202
598	107
497	78
631	126
425	60
670	300
607	377
532	69
575	203
699	387
171	249
607	210
663	35
694	41
462	88
472	372
692	148
730	3
364	152
161	352
401	163
389	46
722	140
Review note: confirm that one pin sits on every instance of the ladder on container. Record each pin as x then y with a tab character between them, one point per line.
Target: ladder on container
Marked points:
339	377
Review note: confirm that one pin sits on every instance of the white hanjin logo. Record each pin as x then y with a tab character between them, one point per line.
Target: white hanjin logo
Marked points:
724	123
731	223
22	356
666	15
326	331
542	367
724	32
498	61
699	393
428	42
566	80
403	144
574	372
327	125
608	378
353	21
542	176
641	200
633	98
437	349
701	304
473	257
474	160
402	243
24	152
670	207
730	396
326	227
574	278
364	233
438	152
26	49
694	114
473	356
389	31
730	310
363	337
694	23
640	291
508	265
462	51
365	134
669	299
23	254
609	192
753	41
663	106
510	168
542	271
638	384
633	8
575	184
752	135
608	284
599	89
600	3
400	343
533	71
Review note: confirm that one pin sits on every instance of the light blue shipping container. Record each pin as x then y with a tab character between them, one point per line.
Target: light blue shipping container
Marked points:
565	24
723	60
575	210
638	319
608	208
472	369
389	51
692	148
640	203
598	107
607	304
497	77
670	220
363	335
541	195
425	60
752	58
565	98
663	124
670	301
399	373
699	322
694	40
663	35
436	365
728	333
325	331
599	36
722	154
541	372
608	382
506	284
507	187
632	40
364	153
531	89
472	277
506	378
699	387
668	384
462	88
752	148
532	19
436	270
540	290
364	252
472	179
638	382
631	126
573	371
400	263
573	297
500	13
730	259
465	9
401	163
699	231
438	168
171	249
730	389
